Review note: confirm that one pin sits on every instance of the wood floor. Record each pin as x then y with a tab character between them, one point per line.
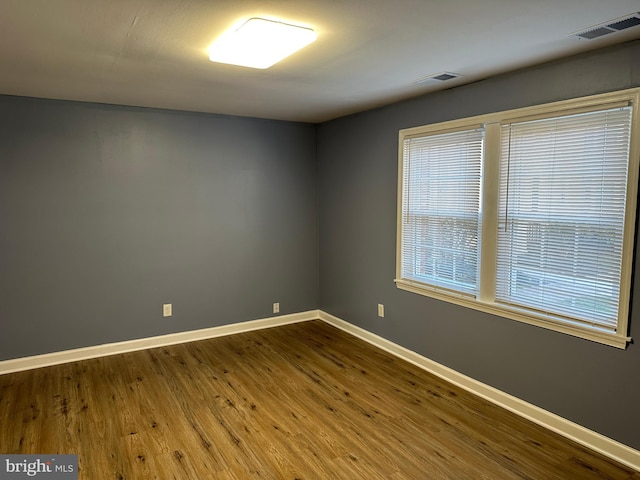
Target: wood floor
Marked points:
303	401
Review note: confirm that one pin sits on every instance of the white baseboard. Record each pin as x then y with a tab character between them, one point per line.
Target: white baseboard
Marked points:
55	358
590	439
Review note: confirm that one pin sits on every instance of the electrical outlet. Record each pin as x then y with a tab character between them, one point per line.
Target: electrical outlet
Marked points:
380	310
167	310
276	308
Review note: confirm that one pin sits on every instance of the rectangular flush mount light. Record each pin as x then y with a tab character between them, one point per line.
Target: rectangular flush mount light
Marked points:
260	43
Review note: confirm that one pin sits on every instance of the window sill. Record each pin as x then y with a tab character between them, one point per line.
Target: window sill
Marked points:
549	322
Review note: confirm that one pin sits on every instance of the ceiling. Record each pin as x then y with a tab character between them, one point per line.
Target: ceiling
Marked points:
369	53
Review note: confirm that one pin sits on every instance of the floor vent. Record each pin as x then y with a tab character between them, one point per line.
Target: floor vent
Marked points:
611	26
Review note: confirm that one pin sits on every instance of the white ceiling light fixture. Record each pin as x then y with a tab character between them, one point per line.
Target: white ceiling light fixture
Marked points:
260	43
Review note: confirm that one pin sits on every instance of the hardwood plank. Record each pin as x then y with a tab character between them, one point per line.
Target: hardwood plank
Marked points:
304	401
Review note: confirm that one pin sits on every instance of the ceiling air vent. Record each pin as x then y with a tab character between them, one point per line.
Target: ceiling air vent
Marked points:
441	77
612	26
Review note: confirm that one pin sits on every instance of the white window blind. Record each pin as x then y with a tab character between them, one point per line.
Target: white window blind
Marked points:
528	214
441	209
561	215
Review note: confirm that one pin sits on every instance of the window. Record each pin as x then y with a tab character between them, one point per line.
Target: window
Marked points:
528	214
441	209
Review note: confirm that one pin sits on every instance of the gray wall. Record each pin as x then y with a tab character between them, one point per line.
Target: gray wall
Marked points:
594	385
109	212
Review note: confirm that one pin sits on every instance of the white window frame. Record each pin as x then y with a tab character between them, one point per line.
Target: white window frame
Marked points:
485	299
